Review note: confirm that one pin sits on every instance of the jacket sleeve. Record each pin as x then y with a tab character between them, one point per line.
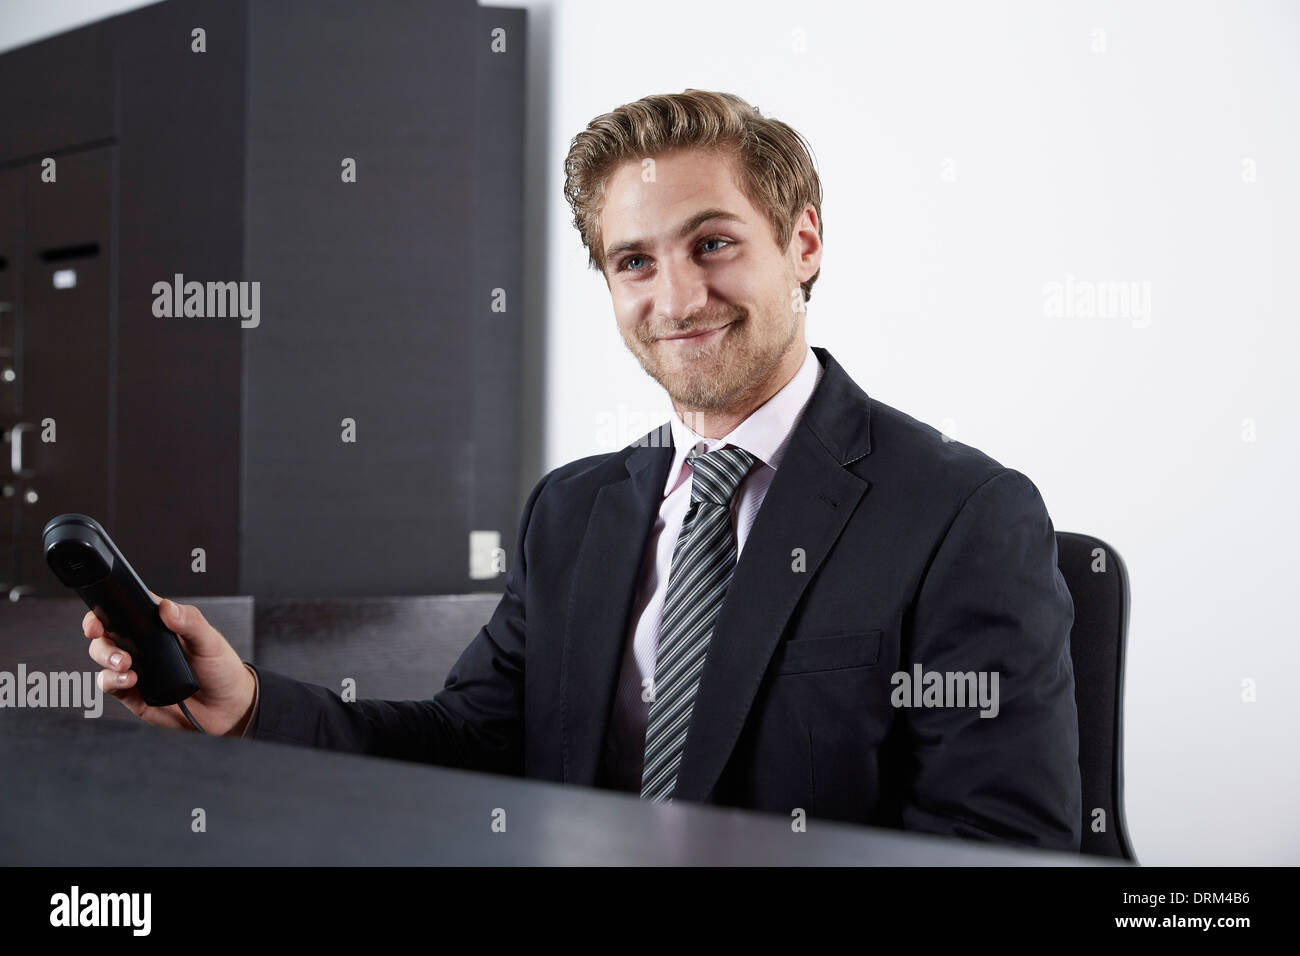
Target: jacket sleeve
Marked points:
475	722
994	602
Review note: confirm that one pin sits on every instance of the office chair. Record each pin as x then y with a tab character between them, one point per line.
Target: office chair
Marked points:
1098	583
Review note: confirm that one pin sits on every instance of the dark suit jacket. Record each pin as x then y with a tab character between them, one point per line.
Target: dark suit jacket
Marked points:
880	546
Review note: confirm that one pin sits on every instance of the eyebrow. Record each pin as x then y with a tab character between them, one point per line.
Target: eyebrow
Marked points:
688	227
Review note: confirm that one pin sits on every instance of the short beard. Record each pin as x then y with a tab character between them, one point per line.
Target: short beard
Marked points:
716	386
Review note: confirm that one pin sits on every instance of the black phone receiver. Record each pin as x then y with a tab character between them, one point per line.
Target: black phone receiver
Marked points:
83	556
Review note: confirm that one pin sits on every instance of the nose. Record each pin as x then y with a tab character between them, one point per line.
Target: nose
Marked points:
681	291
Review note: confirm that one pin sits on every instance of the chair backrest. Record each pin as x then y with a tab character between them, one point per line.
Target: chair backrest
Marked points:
1098	583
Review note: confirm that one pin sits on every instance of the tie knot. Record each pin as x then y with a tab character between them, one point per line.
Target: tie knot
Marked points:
718	474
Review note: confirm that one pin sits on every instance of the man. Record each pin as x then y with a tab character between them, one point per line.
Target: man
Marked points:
791	597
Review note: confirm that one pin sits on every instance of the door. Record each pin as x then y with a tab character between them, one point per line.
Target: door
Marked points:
60	440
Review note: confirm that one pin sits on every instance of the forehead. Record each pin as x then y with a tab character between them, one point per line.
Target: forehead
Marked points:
645	201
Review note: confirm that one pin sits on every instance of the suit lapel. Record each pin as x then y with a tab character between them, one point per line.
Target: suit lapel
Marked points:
606	580
810	500
806	507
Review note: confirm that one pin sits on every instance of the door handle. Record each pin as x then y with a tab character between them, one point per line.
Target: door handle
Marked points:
16	449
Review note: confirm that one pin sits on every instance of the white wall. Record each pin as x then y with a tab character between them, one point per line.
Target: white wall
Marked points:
26	21
1123	165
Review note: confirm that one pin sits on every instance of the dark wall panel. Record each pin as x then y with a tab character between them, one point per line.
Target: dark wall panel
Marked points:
67	346
58	93
181	211
374	298
11	257
366	310
498	336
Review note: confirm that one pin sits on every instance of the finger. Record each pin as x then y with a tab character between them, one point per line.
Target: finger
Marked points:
92	626
116	682
105	652
125	692
198	636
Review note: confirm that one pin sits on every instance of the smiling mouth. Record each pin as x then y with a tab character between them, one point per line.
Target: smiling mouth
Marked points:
698	333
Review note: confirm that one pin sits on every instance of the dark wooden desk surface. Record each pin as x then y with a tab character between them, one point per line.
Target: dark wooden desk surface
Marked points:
85	792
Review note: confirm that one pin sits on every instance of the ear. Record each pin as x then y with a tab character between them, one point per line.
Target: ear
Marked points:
805	249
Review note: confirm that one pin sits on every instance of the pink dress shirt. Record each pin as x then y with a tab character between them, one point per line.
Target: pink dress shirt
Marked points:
764	434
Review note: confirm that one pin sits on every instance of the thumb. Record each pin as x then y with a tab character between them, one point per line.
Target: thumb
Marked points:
198	636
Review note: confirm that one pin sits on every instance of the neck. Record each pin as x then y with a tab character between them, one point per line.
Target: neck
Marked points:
715	423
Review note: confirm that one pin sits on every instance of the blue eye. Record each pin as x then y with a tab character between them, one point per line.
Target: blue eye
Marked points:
623	263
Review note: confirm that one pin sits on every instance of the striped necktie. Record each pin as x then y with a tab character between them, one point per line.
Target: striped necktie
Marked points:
703	560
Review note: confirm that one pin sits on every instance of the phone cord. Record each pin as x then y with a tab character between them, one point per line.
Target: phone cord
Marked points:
186	711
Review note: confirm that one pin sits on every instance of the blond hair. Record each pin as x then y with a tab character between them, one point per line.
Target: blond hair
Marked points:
777	174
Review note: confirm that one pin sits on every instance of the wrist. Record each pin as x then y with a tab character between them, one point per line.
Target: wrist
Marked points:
251	696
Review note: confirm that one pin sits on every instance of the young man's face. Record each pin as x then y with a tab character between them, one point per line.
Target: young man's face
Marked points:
671	272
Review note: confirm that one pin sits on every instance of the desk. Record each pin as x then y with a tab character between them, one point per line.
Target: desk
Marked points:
85	792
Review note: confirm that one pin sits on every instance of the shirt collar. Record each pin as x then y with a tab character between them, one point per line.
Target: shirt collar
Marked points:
764	434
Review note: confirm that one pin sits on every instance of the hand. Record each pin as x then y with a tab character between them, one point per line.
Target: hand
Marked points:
224	701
